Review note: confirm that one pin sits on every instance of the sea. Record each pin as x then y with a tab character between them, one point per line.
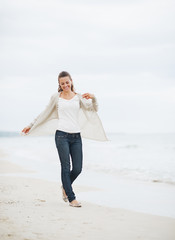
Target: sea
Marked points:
144	157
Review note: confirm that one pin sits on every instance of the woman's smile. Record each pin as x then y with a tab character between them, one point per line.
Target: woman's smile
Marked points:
66	87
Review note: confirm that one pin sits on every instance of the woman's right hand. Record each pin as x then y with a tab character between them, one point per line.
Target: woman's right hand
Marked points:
26	130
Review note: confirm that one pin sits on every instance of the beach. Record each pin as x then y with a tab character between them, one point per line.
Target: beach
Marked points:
34	209
113	206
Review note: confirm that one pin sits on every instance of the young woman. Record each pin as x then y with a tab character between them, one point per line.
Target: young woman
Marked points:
69	116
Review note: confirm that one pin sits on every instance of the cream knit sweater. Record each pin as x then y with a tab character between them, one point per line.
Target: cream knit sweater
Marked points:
46	122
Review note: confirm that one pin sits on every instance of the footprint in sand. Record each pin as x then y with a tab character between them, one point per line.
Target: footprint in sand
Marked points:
41	200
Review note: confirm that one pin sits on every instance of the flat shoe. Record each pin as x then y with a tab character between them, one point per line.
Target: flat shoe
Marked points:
75	204
63	196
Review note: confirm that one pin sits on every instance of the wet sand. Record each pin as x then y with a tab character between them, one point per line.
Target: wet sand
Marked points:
33	209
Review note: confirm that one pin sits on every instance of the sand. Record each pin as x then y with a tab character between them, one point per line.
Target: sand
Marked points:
32	209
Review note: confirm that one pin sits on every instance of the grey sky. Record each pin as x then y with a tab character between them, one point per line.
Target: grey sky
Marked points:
123	51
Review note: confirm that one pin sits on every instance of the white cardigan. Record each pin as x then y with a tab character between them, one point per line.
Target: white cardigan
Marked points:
47	121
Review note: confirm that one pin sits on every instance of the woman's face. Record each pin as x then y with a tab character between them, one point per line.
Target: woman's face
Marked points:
65	83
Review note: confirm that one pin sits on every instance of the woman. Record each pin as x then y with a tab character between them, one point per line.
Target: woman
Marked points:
69	115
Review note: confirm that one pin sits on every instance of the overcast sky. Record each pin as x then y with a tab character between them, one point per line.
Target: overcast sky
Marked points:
122	51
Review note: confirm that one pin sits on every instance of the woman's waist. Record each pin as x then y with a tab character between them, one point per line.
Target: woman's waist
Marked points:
67	134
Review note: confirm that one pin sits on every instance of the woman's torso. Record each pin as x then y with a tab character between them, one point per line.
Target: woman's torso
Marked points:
68	111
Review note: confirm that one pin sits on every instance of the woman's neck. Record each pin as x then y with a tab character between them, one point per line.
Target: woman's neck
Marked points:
67	95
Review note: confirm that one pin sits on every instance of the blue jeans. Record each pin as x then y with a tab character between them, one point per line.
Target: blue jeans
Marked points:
69	145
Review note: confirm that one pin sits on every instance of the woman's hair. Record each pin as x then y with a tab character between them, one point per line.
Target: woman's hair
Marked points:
65	74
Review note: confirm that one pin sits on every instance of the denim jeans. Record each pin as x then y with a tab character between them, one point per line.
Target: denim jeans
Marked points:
69	146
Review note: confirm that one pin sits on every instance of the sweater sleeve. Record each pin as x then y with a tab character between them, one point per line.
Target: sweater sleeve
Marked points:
34	121
90	104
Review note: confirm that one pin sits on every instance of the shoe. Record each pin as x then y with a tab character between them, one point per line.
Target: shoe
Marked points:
75	204
65	198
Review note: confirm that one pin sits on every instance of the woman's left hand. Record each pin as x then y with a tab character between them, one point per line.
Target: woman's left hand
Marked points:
88	96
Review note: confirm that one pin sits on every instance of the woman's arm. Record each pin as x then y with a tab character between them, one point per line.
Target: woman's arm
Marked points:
27	128
89	104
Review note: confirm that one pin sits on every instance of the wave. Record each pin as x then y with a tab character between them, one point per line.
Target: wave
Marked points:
135	174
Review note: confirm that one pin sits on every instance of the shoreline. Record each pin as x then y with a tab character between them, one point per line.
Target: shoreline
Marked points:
34	209
105	189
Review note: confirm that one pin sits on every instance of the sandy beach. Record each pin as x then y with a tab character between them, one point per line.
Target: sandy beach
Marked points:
33	209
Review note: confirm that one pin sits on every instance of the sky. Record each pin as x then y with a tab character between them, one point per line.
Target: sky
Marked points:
121	51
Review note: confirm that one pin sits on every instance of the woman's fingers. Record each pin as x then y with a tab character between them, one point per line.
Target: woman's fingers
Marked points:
87	95
26	129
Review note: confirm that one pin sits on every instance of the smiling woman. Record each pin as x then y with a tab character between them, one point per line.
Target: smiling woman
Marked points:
69	115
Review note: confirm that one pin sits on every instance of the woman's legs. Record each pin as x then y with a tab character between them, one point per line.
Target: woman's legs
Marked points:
77	158
69	144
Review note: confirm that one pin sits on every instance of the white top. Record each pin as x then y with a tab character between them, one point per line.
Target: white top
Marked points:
46	123
68	114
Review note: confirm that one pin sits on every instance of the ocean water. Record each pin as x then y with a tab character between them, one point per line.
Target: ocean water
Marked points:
142	157
147	157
